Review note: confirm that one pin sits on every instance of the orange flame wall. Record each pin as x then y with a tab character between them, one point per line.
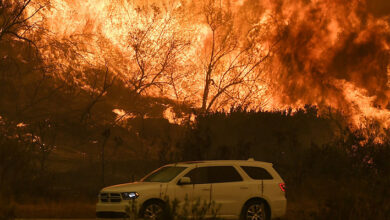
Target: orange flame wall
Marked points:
328	52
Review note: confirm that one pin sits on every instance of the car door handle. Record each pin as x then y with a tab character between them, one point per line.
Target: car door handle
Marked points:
243	187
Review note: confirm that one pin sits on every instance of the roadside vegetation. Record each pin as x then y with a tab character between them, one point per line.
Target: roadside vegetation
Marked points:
180	210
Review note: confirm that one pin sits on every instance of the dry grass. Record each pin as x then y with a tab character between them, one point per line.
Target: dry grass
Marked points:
55	210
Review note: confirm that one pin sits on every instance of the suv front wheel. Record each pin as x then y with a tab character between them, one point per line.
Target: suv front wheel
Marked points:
255	210
152	210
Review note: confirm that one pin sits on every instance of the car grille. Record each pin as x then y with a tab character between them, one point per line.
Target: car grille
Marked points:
110	197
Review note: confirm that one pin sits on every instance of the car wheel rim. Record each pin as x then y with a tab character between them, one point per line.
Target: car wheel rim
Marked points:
152	211
255	212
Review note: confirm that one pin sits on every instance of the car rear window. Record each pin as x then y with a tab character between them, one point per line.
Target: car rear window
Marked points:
257	173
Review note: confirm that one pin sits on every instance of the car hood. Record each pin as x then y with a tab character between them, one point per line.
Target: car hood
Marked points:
133	187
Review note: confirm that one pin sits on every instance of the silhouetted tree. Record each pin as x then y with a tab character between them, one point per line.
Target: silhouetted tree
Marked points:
14	20
232	62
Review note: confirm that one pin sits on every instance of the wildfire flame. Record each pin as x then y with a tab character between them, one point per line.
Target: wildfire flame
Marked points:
327	52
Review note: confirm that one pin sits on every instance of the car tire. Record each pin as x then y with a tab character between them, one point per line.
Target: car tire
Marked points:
152	210
255	210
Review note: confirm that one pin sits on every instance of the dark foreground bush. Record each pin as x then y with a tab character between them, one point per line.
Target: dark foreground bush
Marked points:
7	211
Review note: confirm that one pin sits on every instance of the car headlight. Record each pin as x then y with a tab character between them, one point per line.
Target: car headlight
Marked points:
129	195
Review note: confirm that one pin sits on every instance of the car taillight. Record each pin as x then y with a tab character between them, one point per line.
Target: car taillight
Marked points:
282	186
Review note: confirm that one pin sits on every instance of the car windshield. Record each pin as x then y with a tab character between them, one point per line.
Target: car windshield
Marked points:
164	174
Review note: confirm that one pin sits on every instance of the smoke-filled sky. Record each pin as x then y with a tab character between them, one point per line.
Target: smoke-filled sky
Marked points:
335	53
214	54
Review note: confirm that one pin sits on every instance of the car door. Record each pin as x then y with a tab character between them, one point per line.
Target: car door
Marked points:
183	193
201	188
228	191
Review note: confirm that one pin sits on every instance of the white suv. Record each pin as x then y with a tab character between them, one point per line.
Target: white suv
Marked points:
240	189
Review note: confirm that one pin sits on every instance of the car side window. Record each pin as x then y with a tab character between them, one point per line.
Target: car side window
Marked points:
257	173
214	174
198	175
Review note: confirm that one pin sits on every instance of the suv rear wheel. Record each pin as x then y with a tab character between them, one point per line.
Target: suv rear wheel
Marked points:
255	210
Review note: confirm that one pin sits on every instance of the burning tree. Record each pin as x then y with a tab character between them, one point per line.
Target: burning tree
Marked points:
157	45
234	60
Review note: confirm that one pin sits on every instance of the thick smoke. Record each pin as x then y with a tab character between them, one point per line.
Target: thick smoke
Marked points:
379	8
327	46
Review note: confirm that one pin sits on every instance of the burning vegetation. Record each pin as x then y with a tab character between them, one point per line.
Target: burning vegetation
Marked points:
212	55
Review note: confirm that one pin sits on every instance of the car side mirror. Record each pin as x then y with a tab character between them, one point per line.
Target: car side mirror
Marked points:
184	180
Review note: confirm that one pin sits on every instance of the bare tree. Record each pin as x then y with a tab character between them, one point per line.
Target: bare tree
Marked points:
14	20
98	91
230	62
43	136
156	47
